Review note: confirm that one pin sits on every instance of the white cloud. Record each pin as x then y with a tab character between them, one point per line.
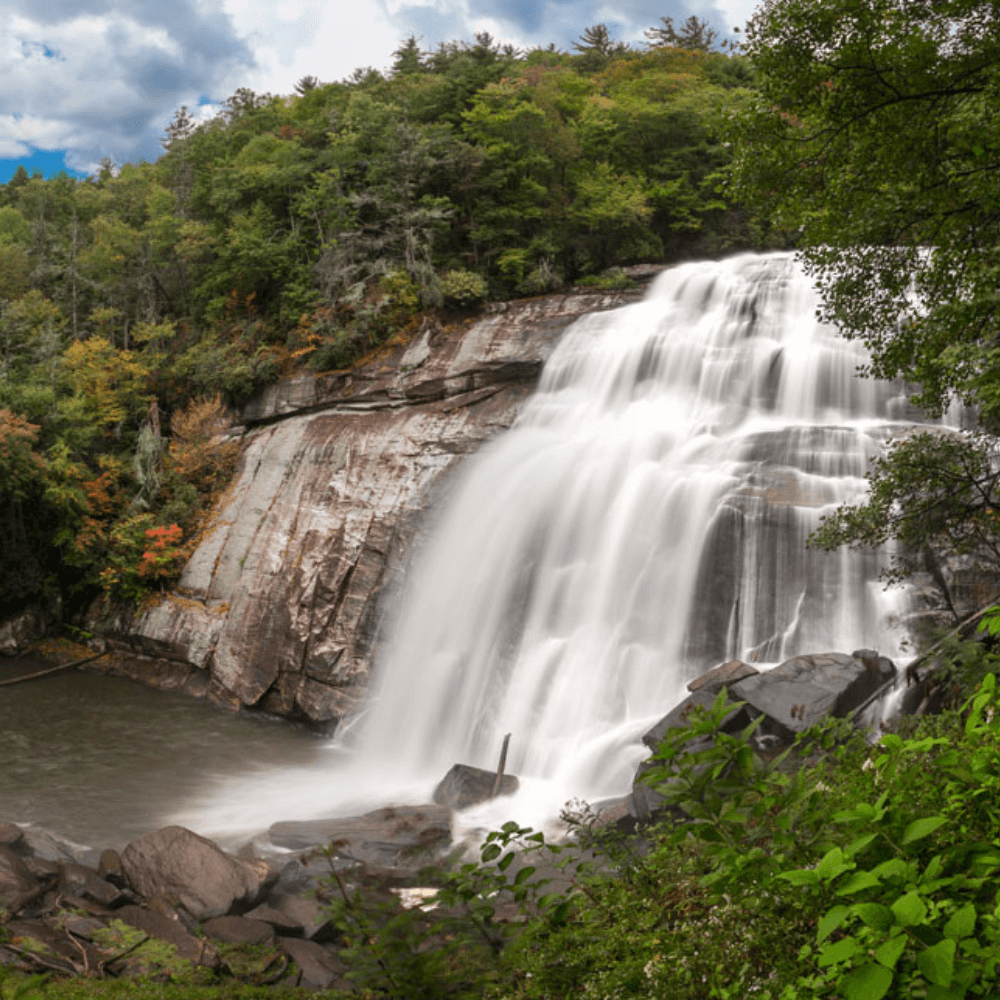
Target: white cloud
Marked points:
99	78
327	40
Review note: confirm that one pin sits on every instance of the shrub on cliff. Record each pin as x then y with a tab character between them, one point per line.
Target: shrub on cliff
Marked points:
463	289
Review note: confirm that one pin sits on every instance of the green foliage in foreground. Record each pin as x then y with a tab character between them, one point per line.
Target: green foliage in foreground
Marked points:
841	870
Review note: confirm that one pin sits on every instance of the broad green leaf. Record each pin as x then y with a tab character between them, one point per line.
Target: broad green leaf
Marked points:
832	864
525	873
909	909
893	869
920	828
491	852
962	923
830	921
506	861
857	882
933	869
867	982
937	962
889	951
803	876
858	845
862	811
986	859
839	951
874	915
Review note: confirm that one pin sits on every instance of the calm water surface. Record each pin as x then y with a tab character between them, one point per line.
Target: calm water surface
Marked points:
100	760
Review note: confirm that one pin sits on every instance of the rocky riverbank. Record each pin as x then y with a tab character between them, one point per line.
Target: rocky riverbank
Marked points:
173	904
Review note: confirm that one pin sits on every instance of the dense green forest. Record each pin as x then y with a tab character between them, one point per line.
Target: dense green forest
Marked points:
301	231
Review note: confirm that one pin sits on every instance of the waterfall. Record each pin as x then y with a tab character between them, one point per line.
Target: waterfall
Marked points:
644	519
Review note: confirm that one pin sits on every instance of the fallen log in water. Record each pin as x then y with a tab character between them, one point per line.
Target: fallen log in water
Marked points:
53	670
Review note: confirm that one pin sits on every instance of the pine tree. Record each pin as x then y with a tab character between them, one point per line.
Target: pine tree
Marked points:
598	39
694	34
180	128
408	59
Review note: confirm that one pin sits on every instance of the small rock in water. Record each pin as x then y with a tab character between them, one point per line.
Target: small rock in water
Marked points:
465	786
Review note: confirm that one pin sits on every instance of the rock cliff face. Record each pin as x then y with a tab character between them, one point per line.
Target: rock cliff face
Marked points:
279	607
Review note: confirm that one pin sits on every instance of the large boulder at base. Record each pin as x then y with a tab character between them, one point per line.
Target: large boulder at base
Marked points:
204	879
806	689
464	786
792	697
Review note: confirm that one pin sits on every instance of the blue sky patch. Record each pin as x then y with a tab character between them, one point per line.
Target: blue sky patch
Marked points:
50	164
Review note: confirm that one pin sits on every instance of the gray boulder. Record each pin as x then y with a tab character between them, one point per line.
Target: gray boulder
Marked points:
724	675
804	690
792	697
736	720
163	928
239	930
464	786
204	879
83	882
318	968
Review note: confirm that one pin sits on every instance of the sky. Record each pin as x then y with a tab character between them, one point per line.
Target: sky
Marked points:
81	80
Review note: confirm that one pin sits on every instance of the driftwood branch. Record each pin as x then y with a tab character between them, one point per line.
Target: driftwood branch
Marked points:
53	670
500	767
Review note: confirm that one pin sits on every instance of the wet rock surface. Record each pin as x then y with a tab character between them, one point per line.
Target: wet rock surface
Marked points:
151	911
178	864
464	786
788	699
391	837
276	608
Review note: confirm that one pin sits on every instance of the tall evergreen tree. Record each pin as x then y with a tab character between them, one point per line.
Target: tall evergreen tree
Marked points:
694	33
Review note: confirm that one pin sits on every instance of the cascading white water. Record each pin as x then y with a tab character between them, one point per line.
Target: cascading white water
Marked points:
645	519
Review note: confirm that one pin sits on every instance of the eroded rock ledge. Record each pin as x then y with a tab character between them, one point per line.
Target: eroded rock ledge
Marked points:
279	607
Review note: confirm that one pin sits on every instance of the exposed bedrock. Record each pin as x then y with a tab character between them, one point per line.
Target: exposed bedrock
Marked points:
279	607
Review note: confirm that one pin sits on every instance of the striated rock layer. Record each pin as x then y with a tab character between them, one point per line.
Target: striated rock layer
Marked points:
278	607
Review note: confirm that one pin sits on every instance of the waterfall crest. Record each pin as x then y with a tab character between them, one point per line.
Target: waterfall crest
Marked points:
644	519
